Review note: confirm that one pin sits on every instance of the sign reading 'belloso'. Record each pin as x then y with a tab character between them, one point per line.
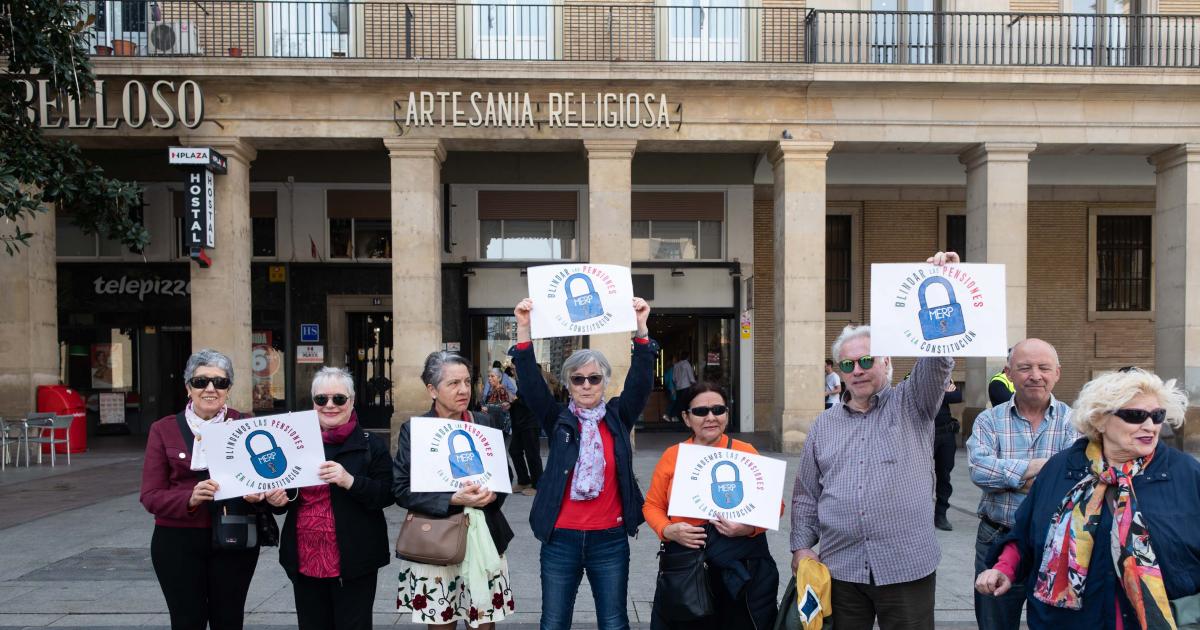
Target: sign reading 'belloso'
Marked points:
173	104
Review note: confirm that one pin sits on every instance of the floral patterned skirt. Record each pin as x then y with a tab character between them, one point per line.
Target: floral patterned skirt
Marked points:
438	595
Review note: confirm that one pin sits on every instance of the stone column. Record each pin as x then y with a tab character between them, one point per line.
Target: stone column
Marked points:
1177	273
610	238
416	177
28	317
221	294
998	232
799	286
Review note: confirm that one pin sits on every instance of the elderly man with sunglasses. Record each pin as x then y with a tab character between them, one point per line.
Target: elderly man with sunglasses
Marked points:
1008	446
864	487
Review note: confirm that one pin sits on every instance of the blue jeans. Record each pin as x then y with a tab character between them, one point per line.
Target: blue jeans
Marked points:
995	613
604	554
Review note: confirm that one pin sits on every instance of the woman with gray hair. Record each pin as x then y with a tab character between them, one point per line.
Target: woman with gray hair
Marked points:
204	582
335	537
442	595
584	516
1105	529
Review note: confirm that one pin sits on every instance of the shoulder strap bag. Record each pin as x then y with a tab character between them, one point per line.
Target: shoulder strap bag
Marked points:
431	540
683	592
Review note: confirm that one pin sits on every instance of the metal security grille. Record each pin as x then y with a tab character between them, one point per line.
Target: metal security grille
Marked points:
1123	262
837	263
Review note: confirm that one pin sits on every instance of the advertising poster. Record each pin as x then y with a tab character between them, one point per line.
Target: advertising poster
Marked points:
580	299
267	363
721	482
254	455
446	454
922	310
102	369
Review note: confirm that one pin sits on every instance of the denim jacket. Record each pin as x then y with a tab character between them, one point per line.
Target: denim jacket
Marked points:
562	429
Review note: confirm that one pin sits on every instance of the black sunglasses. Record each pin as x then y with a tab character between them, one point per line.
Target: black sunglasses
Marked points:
338	399
1138	416
202	382
701	412
594	379
865	362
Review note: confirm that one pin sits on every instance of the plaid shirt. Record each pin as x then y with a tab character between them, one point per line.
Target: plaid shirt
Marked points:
864	487
999	450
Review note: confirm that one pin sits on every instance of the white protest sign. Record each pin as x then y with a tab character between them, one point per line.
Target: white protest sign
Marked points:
254	455
580	299
922	310
721	482
446	454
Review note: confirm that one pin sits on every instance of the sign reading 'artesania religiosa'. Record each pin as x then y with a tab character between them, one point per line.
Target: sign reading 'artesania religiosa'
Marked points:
448	454
603	110
254	455
711	483
580	299
922	310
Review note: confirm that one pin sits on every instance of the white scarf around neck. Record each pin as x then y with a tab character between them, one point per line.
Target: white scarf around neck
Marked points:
195	423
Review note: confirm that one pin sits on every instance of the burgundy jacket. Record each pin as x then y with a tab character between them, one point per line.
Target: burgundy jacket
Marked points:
168	478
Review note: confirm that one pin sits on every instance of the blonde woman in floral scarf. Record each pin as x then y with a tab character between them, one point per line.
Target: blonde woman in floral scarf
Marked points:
1108	535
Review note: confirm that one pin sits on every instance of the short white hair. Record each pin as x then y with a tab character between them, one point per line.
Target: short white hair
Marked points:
854	332
1112	390
337	375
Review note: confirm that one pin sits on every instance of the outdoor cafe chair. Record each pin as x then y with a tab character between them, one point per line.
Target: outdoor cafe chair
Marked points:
43	429
12	433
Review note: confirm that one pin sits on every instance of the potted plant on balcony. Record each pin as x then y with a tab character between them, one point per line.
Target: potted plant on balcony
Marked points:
235	51
124	47
102	50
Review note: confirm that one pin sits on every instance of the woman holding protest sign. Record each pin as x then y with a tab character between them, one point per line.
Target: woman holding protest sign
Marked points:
741	574
477	589
584	516
335	537
204	577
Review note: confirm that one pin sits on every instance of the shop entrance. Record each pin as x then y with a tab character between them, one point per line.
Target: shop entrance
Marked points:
369	360
493	335
707	341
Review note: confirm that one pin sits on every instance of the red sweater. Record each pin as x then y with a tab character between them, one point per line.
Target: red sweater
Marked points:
168	478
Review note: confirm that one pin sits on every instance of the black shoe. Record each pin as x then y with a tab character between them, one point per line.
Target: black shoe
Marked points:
940	522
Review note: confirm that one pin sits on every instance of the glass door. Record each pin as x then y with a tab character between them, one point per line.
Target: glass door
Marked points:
123	23
1101	35
369	360
309	28
703	341
906	31
707	30
518	29
493	335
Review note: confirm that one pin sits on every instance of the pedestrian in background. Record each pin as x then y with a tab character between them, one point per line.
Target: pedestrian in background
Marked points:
945	444
833	385
683	376
526	447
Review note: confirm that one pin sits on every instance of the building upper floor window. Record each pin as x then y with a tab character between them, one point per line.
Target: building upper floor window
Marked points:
707	30
360	224
838	262
71	241
1123	262
527	224
678	225
514	29
263	220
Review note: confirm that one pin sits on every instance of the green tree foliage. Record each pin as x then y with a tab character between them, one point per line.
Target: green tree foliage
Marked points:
48	39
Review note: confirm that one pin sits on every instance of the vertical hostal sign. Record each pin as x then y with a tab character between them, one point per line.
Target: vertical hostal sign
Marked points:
199	164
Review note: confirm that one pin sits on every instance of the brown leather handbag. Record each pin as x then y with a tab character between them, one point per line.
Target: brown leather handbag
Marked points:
431	540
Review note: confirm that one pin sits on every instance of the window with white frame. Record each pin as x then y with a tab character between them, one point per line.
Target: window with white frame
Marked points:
514	29
527	224
263	224
707	30
678	225
360	226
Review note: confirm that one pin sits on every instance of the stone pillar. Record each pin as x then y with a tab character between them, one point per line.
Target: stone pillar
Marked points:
28	317
221	294
1177	274
416	177
998	232
799	286
610	237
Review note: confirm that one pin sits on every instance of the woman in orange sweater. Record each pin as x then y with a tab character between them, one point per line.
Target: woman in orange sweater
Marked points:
742	573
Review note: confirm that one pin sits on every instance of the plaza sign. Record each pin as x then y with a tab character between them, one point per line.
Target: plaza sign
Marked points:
173	105
607	110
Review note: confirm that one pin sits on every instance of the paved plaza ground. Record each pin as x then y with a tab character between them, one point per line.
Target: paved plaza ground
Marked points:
76	551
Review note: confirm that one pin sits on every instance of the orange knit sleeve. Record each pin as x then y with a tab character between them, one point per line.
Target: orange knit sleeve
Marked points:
658	497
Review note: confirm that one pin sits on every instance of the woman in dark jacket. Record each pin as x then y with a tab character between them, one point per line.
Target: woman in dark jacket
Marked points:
204	586
1118	489
584	514
439	595
335	538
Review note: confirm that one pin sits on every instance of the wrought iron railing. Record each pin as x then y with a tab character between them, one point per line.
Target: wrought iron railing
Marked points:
636	32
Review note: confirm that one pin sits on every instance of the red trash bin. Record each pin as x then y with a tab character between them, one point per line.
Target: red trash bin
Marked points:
64	401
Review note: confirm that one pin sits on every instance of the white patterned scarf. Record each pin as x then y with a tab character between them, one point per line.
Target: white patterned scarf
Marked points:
588	481
195	422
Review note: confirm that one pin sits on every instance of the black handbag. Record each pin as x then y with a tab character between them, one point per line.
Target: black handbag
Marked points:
683	591
240	528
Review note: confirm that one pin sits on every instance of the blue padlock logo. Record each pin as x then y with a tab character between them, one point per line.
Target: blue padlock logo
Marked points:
464	463
585	305
270	463
940	321
727	494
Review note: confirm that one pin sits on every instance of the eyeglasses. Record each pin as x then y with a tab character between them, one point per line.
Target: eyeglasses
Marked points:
701	412
202	382
578	379
865	362
1138	416
338	399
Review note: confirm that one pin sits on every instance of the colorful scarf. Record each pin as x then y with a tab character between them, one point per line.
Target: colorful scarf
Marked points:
588	481
1064	569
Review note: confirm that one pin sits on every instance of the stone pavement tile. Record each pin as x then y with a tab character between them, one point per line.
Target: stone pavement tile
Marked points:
12	591
20	620
92	621
59	493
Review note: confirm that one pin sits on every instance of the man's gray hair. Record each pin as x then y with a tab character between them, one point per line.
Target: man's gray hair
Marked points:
435	366
854	332
336	375
580	358
207	358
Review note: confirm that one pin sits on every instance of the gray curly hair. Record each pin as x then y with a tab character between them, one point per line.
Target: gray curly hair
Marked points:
207	358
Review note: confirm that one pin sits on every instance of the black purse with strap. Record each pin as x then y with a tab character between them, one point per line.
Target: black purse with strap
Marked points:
683	592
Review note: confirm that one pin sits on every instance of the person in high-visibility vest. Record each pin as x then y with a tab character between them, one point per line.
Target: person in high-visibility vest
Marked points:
1000	388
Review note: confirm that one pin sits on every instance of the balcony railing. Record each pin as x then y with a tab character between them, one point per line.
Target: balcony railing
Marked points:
636	33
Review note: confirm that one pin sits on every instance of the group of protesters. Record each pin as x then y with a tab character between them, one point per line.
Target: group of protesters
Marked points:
1085	519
